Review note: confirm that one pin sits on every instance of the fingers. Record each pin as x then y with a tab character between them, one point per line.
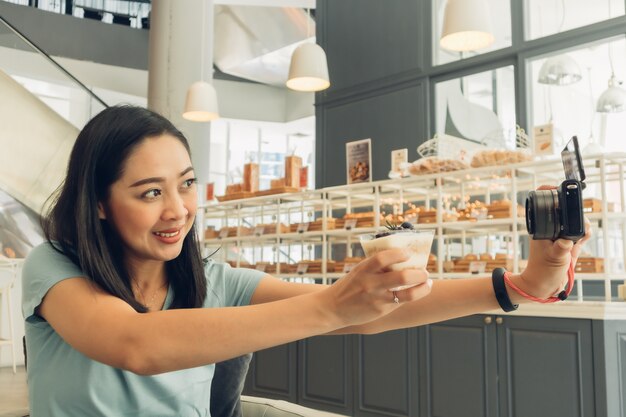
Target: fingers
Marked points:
546	187
382	260
405	278
578	246
414	293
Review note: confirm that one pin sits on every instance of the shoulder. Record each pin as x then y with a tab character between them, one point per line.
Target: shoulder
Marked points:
48	257
45	266
230	286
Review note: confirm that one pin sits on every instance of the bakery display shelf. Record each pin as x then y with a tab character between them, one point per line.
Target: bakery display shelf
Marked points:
611	216
270	239
435	192
352	232
469	233
254	201
481	225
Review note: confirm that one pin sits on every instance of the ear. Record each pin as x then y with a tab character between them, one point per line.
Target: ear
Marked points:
101	212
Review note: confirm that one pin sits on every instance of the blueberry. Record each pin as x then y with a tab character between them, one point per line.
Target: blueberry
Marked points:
407	225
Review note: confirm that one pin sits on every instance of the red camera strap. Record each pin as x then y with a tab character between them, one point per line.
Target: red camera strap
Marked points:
560	297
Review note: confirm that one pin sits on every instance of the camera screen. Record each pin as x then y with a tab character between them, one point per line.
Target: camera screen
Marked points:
572	162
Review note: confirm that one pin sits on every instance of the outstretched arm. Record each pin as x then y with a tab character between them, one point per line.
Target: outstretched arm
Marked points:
108	330
545	275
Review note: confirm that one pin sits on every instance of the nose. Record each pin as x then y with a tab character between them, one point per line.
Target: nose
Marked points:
175	207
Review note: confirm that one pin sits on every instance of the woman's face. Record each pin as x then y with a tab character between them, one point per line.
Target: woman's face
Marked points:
153	204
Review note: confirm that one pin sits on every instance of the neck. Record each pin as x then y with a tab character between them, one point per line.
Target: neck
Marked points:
147	274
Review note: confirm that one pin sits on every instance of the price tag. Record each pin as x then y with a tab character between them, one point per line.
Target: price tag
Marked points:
347	267
223	234
543	139
350	224
477	267
302	268
303	227
259	230
261	267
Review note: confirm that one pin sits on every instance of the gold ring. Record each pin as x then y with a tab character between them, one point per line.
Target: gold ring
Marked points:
395	297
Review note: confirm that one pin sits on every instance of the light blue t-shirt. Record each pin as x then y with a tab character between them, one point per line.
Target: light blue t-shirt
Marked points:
63	382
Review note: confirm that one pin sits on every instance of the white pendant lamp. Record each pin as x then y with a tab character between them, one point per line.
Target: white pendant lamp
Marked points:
466	26
201	103
308	70
613	99
201	100
559	70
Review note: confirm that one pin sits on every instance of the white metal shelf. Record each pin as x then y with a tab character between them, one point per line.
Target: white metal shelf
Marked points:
394	196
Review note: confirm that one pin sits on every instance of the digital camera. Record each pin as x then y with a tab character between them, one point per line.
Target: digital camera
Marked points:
558	213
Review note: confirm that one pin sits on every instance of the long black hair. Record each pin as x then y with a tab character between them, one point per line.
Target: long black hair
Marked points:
72	224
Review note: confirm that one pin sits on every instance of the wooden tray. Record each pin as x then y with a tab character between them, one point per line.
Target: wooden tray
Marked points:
234	196
281	190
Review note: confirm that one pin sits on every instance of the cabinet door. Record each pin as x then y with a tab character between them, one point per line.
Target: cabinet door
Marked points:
272	373
325	373
546	367
385	376
460	368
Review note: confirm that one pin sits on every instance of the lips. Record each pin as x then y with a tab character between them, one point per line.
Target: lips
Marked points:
169	232
166	234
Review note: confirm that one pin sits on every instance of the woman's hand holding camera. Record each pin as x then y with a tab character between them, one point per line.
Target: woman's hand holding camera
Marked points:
546	273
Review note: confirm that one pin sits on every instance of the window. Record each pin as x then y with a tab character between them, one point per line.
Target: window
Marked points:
479	107
572	108
236	142
547	17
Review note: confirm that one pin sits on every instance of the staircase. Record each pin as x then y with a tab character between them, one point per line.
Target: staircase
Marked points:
35	140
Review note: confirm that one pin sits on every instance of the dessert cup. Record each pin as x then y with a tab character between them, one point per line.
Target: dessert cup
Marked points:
418	243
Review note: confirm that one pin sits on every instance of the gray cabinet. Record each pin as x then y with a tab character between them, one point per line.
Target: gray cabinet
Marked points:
460	368
509	366
483	365
545	367
272	373
325	373
385	377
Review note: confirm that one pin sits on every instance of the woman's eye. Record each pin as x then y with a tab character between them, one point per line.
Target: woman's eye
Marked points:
154	193
188	183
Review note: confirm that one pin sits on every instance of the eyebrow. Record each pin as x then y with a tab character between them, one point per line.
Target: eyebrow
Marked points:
157	179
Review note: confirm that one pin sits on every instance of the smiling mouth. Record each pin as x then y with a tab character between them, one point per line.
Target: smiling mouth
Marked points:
163	234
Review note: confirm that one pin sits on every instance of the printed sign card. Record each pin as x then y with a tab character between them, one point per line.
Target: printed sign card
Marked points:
399	158
543	139
359	161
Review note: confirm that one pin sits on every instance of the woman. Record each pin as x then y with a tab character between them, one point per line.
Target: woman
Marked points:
123	317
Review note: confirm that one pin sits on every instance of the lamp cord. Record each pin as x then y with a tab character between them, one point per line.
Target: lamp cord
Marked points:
593	110
308	22
610	49
202	35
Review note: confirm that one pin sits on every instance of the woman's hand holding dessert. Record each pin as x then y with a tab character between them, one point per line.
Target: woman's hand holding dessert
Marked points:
365	293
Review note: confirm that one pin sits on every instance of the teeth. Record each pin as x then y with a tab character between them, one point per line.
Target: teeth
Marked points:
167	234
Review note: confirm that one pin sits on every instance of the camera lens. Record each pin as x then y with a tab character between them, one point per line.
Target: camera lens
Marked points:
542	218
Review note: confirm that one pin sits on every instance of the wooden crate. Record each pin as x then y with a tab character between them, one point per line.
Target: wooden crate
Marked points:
590	265
270	228
594	205
315	226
